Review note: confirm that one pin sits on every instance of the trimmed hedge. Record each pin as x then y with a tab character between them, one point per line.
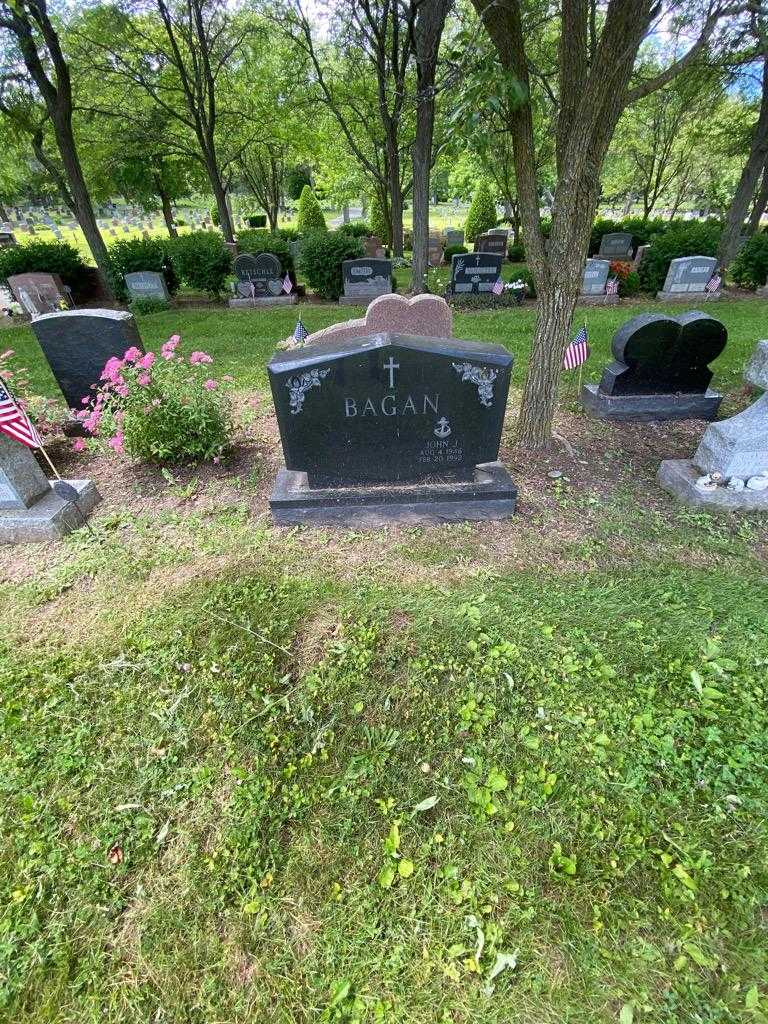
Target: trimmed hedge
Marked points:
201	260
684	238
750	268
453	250
516	252
321	257
309	216
356	228
130	255
43	258
255	242
482	213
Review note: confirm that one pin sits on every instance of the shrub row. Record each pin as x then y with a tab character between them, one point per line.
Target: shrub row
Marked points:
750	268
43	258
320	260
200	260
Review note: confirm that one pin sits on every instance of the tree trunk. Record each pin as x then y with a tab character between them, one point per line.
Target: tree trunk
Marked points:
761	202
3	213
395	202
734	221
345	213
272	215
219	192
167	212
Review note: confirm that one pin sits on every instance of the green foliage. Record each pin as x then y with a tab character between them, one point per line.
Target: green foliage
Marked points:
147	305
258	241
309	217
321	257
160	407
453	250
516	252
686	238
750	268
214	211
357	228
201	260
482	212
377	220
130	255
42	258
296	179
257	220
289	234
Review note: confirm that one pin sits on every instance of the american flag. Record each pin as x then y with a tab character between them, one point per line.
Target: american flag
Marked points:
300	334
14	421
713	283
498	287
578	350
287	284
612	286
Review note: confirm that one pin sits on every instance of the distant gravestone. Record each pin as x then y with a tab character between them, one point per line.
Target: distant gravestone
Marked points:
38	293
616	245
492	243
34	509
7	240
733	454
594	279
260	281
373	248
660	369
453	236
474	273
391	427
364	279
147	284
434	250
77	344
687	275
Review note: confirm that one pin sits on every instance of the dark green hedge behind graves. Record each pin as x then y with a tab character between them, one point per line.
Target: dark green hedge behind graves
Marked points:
132	255
684	238
43	258
750	268
321	257
254	242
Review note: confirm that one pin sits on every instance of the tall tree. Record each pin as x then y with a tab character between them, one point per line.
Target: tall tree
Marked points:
30	26
593	72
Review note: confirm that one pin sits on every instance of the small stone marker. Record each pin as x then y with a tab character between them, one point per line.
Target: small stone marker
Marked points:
494	243
7	240
364	279
475	273
660	370
147	284
594	280
732	455
390	427
260	282
689	274
373	248
77	344
38	293
427	316
435	250
30	510
616	245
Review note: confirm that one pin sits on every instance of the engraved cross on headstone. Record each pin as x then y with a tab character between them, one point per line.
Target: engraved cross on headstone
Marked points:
391	366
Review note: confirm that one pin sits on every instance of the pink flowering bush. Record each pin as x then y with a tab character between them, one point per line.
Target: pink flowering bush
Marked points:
162	407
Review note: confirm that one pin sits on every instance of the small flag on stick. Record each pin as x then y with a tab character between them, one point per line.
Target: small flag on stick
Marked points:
300	334
498	287
14	421
577	352
287	284
713	284
612	286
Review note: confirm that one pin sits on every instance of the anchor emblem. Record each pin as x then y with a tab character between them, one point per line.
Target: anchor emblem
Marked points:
443	428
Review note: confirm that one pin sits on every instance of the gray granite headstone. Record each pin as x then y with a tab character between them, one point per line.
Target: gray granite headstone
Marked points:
453	236
616	245
147	284
595	277
689	274
366	278
492	242
77	344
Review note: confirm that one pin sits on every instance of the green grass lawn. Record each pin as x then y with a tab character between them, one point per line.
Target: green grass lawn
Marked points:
509	772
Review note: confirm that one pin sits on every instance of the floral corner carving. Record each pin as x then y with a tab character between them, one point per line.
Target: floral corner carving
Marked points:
482	377
299	386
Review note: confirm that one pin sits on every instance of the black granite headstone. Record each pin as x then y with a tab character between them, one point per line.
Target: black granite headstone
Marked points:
660	369
491	242
367	277
260	275
474	273
77	344
390	408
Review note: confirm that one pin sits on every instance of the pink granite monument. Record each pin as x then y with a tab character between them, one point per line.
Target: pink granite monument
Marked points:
426	316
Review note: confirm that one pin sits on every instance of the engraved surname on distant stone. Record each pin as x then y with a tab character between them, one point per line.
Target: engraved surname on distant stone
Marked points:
388	406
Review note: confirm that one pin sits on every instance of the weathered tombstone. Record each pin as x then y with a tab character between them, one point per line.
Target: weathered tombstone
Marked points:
427	316
7	240
639	256
660	370
364	279
474	273
390	427
730	467
33	508
434	250
492	243
38	293
687	275
77	344
260	282
593	283
453	236
147	284
616	245
373	248
498	231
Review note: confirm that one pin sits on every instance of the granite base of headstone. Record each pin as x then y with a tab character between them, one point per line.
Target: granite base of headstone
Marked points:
31	510
729	470
391	428
660	370
687	279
